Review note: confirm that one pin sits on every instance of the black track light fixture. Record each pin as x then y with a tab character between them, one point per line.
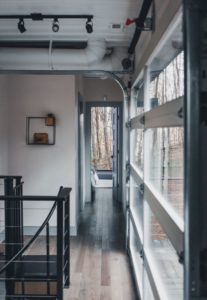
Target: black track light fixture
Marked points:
21	25
89	25
54	17
55	25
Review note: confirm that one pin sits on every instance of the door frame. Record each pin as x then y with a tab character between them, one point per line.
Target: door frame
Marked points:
89	105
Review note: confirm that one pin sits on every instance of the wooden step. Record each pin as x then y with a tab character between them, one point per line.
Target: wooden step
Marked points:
34	267
36	288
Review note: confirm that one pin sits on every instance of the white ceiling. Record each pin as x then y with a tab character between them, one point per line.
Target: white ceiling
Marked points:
106	13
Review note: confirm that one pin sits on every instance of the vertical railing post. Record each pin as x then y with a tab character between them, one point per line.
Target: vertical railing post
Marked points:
9	232
21	217
60	250
18	217
9	218
67	243
48	255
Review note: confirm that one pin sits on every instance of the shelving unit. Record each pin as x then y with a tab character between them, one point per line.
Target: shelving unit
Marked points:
41	130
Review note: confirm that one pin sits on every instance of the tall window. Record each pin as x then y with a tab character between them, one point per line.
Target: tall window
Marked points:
169	83
156	223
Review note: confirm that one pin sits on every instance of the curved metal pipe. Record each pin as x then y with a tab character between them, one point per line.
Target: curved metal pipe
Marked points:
111	75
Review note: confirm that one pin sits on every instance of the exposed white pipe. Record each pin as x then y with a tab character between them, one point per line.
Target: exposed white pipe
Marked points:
93	54
91	58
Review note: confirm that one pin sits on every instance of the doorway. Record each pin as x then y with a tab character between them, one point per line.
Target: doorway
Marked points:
103	148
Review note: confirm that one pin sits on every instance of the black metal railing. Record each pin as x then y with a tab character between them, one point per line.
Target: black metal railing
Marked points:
13	215
13	221
20	265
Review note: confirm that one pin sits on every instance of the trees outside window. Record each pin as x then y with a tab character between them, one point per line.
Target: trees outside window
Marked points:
101	138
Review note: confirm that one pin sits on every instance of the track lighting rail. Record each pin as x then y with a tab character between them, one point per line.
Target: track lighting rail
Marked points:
41	17
55	24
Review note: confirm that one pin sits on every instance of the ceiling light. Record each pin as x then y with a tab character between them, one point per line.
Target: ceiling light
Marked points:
89	26
126	63
21	26
55	25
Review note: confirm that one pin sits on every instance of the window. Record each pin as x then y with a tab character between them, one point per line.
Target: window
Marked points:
148	294
140	99
169	84
164	257
165	148
138	144
136	198
156	202
136	254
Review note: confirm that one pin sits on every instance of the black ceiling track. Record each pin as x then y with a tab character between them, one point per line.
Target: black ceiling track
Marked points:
77	45
40	16
139	25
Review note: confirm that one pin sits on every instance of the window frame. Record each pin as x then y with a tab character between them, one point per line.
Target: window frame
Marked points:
169	114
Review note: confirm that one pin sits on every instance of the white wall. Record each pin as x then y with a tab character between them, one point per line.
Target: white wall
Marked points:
44	168
96	89
3	139
3	125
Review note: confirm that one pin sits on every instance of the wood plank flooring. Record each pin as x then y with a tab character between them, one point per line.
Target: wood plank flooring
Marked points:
99	265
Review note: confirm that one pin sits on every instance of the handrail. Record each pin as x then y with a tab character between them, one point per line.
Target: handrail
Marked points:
18	189
63	192
19	185
10	176
33	198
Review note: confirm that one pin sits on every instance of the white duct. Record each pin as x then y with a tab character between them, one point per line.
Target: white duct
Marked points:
91	58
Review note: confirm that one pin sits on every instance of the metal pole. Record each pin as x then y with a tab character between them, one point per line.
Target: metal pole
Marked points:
18	214
9	233
67	244
9	217
48	255
60	250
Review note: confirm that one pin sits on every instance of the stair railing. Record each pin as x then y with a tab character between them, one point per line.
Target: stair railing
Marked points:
62	203
13	219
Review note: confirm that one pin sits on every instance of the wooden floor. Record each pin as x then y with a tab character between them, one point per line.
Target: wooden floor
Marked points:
99	265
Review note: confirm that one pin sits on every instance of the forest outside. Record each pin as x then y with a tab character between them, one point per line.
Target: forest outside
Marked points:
165	144
168	143
159	154
101	138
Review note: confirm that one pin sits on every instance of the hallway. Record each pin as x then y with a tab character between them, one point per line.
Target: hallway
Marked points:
99	265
